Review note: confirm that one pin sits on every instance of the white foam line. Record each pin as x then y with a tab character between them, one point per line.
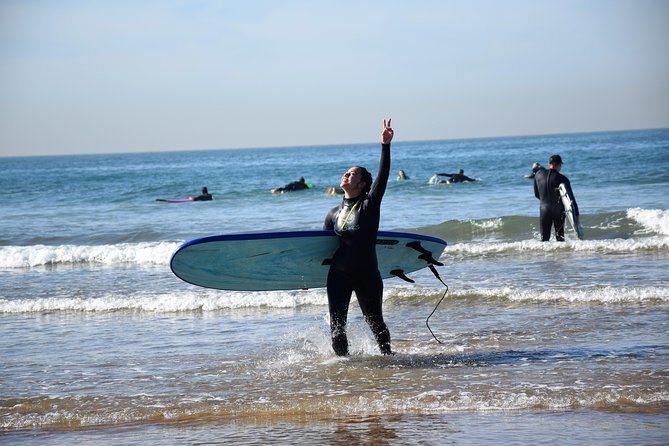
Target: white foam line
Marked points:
152	253
212	300
536	246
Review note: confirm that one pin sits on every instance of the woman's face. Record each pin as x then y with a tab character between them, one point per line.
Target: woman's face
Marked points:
352	182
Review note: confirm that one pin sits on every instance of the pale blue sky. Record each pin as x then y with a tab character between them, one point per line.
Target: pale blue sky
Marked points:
138	75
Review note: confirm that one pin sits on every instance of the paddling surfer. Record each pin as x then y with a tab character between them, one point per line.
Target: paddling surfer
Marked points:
300	184
354	265
205	196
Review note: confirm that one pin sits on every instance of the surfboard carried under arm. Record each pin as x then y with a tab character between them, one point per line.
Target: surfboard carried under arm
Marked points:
291	260
569	211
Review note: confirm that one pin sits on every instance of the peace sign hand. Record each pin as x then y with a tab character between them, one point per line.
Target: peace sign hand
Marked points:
387	134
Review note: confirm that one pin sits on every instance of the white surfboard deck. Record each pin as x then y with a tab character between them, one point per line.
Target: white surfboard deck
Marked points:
569	211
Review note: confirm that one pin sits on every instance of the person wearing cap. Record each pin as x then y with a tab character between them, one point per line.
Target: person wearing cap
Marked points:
551	209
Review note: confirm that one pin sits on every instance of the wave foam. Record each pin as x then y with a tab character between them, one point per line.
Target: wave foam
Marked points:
212	300
159	253
198	300
536	246
147	253
606	295
652	220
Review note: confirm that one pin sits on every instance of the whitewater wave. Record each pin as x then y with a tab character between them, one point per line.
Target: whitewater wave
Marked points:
630	223
634	230
189	301
147	253
205	300
651	220
159	253
655	243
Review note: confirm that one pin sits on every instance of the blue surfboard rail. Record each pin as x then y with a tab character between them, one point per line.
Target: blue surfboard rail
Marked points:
265	261
289	234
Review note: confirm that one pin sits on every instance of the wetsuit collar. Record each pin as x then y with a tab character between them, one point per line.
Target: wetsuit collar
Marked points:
355	199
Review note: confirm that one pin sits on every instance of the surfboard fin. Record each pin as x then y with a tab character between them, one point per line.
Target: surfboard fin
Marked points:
400	273
425	254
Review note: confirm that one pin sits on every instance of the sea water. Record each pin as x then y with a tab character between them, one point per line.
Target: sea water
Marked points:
533	342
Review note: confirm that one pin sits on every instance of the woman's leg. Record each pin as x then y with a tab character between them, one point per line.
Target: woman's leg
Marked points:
339	297
369	292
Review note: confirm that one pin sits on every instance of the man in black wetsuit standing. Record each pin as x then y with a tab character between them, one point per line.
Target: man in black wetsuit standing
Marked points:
354	265
551	209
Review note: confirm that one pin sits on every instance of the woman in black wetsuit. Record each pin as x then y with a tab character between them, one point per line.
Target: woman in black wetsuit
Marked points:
354	266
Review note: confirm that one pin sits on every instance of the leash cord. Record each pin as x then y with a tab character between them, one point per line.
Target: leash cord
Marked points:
427	321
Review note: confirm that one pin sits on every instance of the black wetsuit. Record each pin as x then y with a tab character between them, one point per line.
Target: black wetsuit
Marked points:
204	197
295	185
456	177
551	209
354	265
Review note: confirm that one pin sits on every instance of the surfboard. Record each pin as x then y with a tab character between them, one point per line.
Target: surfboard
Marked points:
569	211
176	200
291	260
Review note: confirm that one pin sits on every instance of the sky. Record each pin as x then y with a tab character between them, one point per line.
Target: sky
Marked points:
95	76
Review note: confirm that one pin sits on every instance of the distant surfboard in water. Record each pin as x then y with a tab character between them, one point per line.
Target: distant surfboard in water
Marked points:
176	200
291	260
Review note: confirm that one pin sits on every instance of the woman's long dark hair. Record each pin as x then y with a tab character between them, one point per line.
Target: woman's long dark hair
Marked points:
366	177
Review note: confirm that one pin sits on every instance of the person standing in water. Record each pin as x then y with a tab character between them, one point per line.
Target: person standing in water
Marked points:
551	209
354	265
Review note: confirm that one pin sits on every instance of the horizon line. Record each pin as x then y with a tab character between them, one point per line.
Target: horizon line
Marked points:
139	152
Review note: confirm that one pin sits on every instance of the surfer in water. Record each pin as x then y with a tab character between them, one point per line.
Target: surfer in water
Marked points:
458	177
535	168
205	196
300	184
551	209
354	265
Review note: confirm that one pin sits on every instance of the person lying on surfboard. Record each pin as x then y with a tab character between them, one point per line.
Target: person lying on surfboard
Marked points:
354	265
458	177
300	184
206	196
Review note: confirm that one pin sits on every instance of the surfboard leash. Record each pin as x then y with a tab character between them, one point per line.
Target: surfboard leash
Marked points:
427	321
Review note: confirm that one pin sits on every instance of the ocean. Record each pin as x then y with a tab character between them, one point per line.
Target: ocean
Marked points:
535	343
